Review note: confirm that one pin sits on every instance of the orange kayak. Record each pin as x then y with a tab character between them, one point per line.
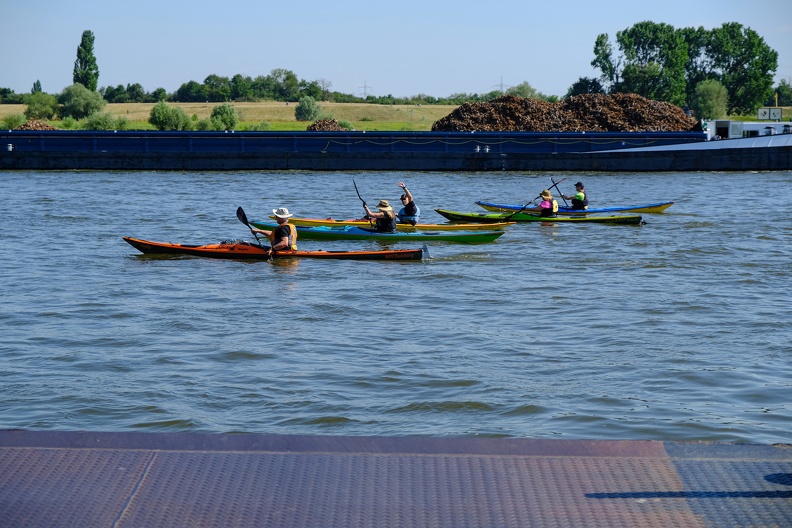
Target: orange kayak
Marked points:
246	250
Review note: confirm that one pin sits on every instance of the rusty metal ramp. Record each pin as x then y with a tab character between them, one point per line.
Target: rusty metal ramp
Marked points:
81	479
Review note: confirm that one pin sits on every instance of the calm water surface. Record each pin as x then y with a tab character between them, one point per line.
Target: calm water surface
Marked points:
674	330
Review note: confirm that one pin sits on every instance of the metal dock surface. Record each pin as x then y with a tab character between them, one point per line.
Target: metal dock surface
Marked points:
82	479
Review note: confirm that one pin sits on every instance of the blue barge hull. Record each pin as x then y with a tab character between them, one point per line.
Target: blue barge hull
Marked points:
420	151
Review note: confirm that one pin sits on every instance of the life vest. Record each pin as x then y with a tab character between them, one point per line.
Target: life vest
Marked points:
550	211
292	236
386	224
577	203
405	218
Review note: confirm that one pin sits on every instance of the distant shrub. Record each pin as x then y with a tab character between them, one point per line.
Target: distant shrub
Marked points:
69	123
12	121
209	124
263	126
226	115
105	121
41	105
166	117
307	109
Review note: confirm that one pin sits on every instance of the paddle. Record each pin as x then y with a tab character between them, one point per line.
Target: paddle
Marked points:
362	200
555	184
243	218
521	209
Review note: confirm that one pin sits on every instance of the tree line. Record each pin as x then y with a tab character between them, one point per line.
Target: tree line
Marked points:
730	66
679	66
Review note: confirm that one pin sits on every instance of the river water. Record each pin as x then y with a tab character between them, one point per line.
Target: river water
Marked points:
678	329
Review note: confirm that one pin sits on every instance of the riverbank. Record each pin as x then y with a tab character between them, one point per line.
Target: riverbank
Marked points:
280	116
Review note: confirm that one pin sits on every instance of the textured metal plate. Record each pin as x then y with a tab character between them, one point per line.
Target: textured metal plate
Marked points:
51	479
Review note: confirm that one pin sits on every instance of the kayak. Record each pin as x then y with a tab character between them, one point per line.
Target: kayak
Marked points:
237	249
528	217
644	208
357	233
329	222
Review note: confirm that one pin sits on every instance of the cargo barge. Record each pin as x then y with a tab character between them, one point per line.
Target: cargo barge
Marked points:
400	151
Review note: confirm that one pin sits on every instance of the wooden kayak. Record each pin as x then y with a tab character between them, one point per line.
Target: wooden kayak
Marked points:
250	251
329	222
644	208
527	217
357	233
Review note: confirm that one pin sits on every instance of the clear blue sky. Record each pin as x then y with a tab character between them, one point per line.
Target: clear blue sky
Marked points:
401	48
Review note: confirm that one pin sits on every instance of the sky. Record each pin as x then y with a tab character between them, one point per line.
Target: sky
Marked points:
369	47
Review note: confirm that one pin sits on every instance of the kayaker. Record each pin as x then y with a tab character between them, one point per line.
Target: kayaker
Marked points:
282	237
548	206
385	218
579	200
409	213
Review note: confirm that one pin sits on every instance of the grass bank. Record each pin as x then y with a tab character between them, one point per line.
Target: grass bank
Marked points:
280	116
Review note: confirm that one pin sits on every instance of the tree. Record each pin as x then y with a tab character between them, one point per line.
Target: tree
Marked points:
784	91
745	64
41	106
190	92
311	89
218	89
524	89
585	85
655	57
285	85
710	100
603	59
36	87
115	95
667	64
699	64
241	88
325	85
226	115
307	109
135	93
86	72
157	95
79	102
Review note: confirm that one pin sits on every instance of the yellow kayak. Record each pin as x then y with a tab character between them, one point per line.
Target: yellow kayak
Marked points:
329	222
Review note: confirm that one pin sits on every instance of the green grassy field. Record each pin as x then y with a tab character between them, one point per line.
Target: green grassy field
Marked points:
280	116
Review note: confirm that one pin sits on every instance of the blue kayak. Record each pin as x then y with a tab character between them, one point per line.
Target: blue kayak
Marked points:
645	208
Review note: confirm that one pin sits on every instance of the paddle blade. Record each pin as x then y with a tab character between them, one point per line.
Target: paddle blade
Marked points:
242	216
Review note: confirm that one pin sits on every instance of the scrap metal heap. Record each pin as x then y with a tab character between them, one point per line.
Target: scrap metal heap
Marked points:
34	124
580	113
326	125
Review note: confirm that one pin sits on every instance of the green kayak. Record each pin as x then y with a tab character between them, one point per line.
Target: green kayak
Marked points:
357	233
528	217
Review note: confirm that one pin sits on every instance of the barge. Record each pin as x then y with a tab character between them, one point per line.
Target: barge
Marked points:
769	149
